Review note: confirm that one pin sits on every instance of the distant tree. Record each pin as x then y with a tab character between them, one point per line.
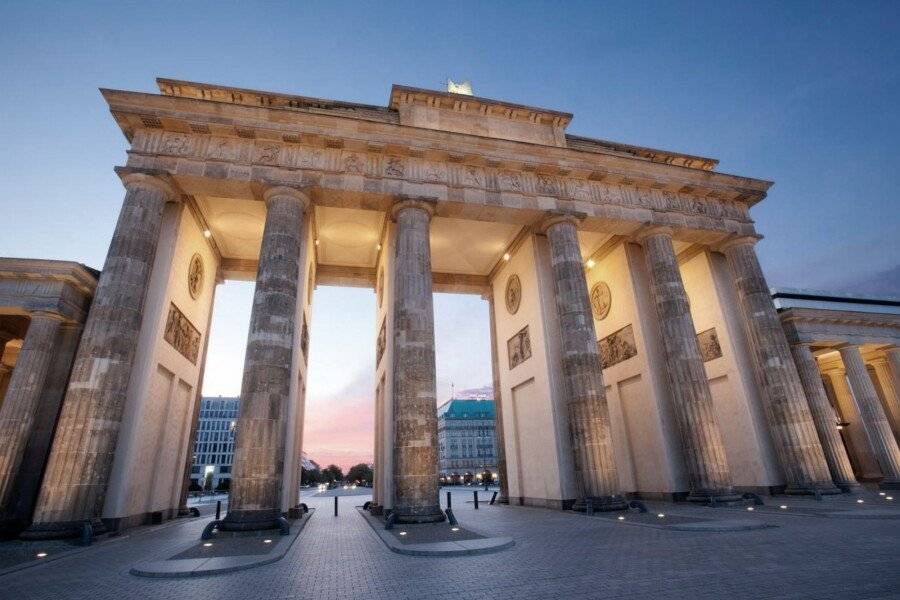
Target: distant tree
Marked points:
224	485
360	473
333	473
194	487
311	477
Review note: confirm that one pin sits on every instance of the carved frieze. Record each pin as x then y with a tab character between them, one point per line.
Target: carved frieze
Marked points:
708	341
518	348
182	335
492	177
617	347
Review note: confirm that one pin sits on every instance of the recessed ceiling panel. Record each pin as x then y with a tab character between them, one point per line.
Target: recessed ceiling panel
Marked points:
468	247
236	225
348	237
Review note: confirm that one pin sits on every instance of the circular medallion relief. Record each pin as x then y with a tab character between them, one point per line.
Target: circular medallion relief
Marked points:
601	300
379	287
513	294
195	276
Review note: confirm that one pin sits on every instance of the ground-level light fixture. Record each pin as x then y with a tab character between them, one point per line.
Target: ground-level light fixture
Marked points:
888	497
661	516
207	544
402	533
881	493
783	507
267	541
41	554
621	518
750	508
454	529
860	501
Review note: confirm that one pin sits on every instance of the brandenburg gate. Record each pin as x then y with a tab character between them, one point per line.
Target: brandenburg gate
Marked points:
636	349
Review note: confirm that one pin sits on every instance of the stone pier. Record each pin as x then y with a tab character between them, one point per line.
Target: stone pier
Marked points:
23	396
825	419
701	439
80	460
416	493
255	501
875	421
503	497
790	420
588	412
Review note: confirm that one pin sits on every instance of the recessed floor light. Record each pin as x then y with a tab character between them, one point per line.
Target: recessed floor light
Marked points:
661	515
860	501
41	554
621	518
783	507
402	533
267	541
207	544
750	508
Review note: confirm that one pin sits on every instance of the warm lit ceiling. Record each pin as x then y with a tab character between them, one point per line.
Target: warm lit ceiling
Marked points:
349	237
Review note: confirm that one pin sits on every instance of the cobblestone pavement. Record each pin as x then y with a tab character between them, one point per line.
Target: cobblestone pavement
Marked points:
557	555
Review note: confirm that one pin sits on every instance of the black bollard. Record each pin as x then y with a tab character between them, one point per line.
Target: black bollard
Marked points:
449	505
335	505
218	509
475	493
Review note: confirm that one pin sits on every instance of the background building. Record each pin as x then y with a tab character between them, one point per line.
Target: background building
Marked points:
466	438
214	450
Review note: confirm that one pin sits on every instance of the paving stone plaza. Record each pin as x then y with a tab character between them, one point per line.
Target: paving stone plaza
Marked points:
556	555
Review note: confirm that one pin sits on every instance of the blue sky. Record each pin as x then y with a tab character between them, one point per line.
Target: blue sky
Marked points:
802	93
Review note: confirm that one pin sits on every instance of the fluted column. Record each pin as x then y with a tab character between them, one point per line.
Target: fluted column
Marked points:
77	471
23	398
701	439
415	406
255	501
824	418
876	424
588	411
498	407
790	420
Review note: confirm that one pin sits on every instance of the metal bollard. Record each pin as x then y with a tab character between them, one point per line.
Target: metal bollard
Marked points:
589	507
449	504
493	498
218	509
475	493
335	505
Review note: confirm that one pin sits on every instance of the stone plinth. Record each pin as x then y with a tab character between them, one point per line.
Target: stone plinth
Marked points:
80	460
416	493
824	418
787	412
701	439
588	412
875	421
255	501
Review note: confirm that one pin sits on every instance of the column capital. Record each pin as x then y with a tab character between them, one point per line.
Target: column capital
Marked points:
650	230
557	217
402	204
153	179
738	240
283	191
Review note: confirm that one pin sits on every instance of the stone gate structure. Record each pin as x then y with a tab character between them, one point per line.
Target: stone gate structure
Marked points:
636	349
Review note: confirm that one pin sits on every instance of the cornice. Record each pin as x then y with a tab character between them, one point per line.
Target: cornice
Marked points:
76	274
134	111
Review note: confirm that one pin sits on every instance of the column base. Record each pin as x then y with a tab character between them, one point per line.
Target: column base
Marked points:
601	503
848	487
714	496
251	520
812	490
424	514
891	484
60	530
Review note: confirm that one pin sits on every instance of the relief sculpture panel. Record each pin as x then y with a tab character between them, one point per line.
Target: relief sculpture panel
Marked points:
182	335
617	347
518	348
